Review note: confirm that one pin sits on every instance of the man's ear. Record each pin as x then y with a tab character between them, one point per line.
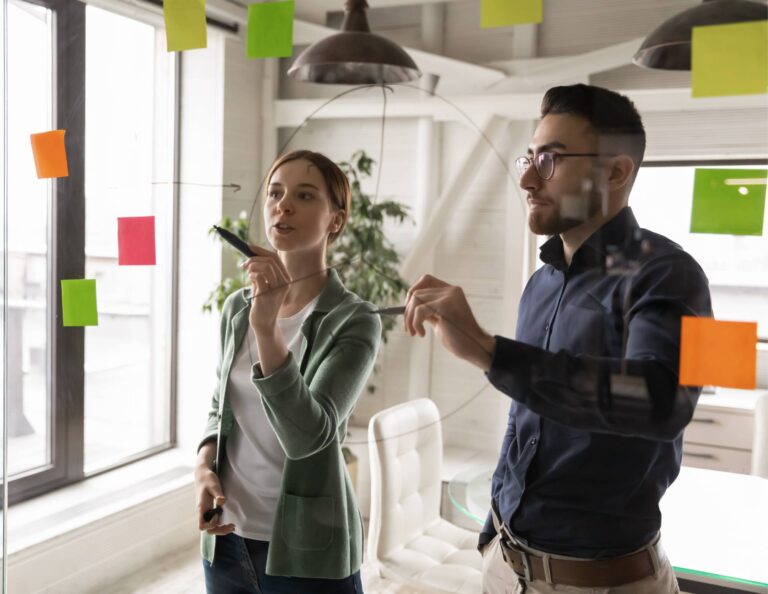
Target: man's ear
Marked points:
621	173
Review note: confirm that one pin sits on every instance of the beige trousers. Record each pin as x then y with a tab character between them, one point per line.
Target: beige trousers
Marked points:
498	577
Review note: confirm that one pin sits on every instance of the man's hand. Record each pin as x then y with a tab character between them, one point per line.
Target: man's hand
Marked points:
445	307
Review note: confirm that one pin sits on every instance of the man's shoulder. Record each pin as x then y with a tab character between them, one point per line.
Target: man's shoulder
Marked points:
654	248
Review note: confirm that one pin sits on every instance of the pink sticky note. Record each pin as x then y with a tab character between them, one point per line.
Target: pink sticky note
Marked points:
136	241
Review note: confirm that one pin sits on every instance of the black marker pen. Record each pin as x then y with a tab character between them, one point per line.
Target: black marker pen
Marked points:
208	516
235	241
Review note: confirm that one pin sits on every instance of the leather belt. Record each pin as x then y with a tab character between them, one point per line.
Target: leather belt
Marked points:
588	573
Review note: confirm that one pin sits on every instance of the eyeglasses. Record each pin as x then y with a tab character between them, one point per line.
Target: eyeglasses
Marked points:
545	162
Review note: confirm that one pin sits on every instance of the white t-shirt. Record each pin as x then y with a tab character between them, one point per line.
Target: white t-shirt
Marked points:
253	466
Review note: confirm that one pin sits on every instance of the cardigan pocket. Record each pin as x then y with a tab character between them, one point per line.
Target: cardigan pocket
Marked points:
307	523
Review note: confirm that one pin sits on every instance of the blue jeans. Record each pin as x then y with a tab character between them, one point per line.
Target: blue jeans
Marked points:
239	567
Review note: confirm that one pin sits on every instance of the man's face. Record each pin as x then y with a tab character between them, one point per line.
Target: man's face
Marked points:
566	199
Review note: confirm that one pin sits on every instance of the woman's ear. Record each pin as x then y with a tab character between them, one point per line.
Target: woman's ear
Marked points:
621	173
338	221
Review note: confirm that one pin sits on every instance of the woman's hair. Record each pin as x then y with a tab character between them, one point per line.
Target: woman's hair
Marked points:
335	180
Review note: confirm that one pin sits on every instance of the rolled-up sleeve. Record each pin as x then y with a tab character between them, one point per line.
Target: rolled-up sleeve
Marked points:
306	418
634	395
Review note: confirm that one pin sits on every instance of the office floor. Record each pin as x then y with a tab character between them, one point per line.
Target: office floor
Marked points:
183	574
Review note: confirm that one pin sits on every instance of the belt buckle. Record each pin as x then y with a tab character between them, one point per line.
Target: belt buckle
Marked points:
510	542
526	566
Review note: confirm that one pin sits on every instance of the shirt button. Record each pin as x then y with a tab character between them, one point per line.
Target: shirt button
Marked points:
533	441
547	327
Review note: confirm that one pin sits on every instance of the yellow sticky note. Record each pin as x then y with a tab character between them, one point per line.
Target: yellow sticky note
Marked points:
717	353
505	13
729	59
185	26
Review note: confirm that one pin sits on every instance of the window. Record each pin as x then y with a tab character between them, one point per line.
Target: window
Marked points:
662	199
30	103
735	265
85	400
128	140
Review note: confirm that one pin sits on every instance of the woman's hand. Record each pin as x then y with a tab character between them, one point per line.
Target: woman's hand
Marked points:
208	493
270	281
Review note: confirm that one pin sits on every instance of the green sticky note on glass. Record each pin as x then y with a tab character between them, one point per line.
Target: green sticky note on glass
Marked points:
729	59
270	30
729	201
78	302
505	13
185	24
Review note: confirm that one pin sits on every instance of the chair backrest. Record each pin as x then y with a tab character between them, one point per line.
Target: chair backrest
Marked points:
760	440
406	451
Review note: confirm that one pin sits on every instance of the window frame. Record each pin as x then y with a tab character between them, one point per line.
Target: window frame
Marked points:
66	345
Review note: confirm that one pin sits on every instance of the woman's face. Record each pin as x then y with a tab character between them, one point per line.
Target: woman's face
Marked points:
298	213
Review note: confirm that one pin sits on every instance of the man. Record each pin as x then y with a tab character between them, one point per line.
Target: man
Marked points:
594	434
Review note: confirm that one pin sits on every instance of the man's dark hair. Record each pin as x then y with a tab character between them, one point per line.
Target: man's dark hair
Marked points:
613	116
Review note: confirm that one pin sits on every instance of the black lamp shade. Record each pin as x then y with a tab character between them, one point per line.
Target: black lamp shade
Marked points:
354	56
669	46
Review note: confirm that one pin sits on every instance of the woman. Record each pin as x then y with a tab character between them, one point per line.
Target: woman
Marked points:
297	348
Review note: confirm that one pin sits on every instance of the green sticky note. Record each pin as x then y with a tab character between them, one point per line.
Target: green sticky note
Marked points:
270	30
504	13
729	201
78	302
185	24
729	59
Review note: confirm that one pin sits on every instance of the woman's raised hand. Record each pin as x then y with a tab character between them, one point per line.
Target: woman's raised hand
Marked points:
270	281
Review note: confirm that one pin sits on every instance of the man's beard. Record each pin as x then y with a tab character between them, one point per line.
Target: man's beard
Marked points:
560	217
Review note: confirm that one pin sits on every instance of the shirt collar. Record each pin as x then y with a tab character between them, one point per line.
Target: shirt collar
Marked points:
618	231
332	293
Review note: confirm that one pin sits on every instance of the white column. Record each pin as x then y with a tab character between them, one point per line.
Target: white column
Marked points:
428	189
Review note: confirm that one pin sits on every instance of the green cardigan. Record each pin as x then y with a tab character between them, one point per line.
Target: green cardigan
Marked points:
318	530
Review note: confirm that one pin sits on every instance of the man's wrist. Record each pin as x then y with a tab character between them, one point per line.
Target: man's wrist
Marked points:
484	353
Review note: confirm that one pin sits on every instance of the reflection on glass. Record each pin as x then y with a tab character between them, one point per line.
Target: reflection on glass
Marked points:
29	110
735	265
126	357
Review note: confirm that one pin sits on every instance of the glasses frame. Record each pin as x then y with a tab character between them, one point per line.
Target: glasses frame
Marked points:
524	163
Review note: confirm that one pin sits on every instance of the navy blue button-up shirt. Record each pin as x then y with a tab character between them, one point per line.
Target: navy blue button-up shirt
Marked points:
594	435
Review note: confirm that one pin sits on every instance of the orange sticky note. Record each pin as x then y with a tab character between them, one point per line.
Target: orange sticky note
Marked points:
50	155
715	353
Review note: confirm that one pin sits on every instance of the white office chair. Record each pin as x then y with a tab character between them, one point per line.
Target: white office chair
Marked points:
760	439
407	539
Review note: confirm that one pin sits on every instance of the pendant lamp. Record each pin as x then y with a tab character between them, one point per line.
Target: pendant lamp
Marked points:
355	56
669	46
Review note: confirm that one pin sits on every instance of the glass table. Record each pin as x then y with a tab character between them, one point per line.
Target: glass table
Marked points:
714	526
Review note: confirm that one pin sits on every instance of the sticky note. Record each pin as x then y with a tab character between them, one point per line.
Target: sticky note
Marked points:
717	353
185	24
78	302
136	241
729	59
270	30
50	154
504	13
729	201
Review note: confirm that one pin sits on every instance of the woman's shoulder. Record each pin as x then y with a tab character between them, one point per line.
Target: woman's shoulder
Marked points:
353	314
352	303
234	302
